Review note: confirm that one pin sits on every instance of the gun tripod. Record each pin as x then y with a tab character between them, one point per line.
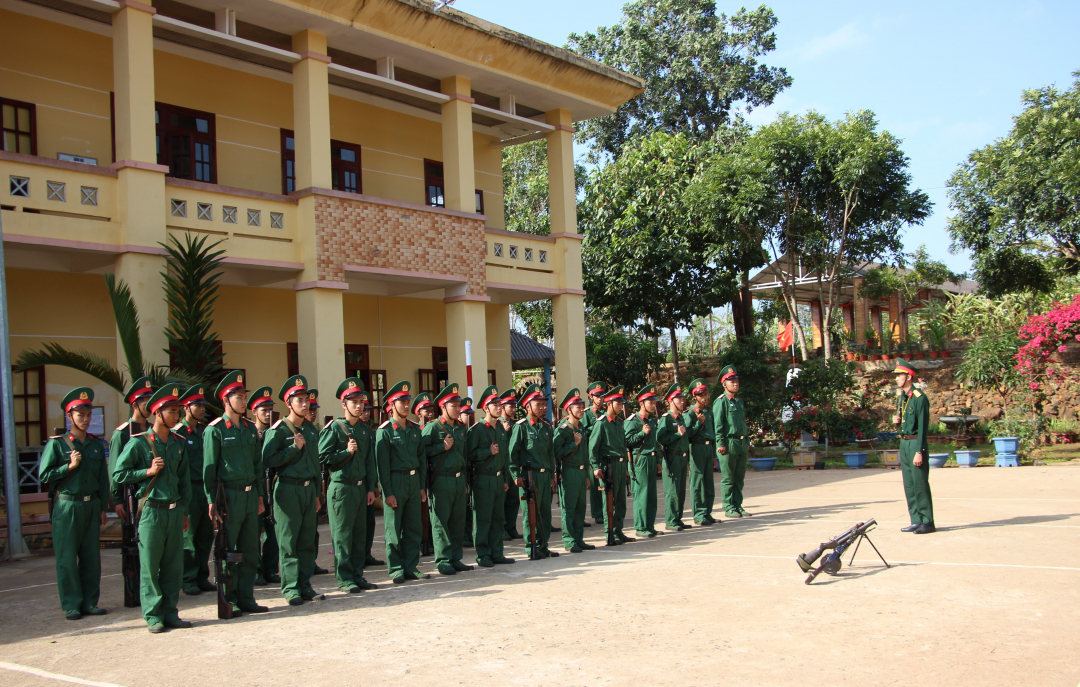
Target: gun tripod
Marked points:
833	561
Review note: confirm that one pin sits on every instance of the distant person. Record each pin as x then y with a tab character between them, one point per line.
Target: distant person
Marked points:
732	443
912	419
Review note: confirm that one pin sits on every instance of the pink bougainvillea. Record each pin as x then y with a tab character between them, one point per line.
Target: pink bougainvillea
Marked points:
1044	335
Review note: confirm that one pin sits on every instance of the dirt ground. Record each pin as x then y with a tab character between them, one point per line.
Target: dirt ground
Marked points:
991	598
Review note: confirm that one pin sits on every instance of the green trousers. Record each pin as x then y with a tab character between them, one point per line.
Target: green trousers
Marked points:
489	508
618	495
702	485
76	531
916	483
242	534
572	498
347	509
401	525
161	562
294	511
542	484
268	558
370	536
644	484
675	489
596	502
199	538
448	524
511	506
733	474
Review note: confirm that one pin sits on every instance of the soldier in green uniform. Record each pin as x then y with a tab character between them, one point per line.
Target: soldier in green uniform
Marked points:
261	405
423	408
732	442
199	537
445	442
136	397
233	457
531	444
291	447
671	434
640	431
489	487
313	418
512	504
607	450
369	559
572	454
347	447
699	427
400	455
468	418
74	467
156	462
596	392
912	419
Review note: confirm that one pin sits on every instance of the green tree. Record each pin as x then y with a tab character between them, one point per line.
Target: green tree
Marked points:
193	270
1017	200
645	264
620	358
761	385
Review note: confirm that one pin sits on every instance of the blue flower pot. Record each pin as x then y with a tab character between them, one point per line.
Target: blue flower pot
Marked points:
1008	460
937	460
886	436
967	459
855	459
1010	445
762	464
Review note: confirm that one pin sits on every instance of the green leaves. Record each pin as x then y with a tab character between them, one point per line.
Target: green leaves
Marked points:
191	288
127	324
620	358
83	361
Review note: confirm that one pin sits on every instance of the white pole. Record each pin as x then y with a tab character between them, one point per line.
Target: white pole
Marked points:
468	367
16	545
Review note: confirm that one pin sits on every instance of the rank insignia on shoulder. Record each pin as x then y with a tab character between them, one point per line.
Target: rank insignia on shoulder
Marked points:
275	425
917	393
521	421
327	425
214	422
121	427
384	424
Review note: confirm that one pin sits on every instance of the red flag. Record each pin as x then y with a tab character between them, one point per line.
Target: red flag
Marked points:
786	337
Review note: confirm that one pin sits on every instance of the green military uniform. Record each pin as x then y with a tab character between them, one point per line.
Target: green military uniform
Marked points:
369	559
199	537
423	400
164	500
267	570
729	418
646	453
607	451
139	389
402	465
573	460
702	454
352	481
233	457
532	451
324	476
295	492
446	477
675	448
914	419
82	495
512	504
488	485
596	496
468	419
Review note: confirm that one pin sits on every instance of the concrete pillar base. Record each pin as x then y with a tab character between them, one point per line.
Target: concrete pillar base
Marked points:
320	336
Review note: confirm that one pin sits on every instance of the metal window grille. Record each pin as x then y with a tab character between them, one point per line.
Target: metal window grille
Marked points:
179	208
228	214
513	252
20	187
56	190
206	211
89	195
498	250
254	218
277	220
543	256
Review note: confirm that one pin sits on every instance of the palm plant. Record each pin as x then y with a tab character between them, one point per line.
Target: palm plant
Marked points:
191	288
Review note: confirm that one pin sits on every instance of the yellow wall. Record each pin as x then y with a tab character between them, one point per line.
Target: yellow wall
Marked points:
498	341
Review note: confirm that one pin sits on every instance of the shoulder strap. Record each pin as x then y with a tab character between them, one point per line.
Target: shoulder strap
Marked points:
55	487
146	493
348	432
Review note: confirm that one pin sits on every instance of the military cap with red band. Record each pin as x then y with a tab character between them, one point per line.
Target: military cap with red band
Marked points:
230	384
697	386
530	394
901	368
167	395
79	397
139	388
194	394
673	391
261	397
648	391
297	384
596	389
488	396
509	397
615	393
351	387
573	396
313	399
728	373
422	400
397	392
466	406
448	394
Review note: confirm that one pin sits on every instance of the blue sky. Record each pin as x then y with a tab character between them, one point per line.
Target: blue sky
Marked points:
945	77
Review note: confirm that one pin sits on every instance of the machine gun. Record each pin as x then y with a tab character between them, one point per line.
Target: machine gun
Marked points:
222	555
528	495
836	547
129	547
608	487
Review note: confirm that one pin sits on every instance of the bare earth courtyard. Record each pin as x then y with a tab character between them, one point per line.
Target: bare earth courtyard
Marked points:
991	598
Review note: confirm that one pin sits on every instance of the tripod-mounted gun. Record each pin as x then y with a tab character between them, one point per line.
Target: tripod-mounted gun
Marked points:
836	547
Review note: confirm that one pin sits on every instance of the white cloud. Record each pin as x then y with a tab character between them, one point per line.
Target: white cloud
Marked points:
847	36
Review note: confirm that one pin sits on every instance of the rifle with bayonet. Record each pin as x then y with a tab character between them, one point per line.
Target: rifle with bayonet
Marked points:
608	487
528	495
222	555
129	546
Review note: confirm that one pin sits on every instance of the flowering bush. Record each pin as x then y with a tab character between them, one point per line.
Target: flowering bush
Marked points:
1044	335
837	422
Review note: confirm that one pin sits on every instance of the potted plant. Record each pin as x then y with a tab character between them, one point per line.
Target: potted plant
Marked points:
967	459
762	464
937	460
871	336
875	353
886	348
855	459
1063	431
937	336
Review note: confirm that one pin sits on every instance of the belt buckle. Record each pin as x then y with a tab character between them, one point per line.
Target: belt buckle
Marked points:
652	453
708	443
543	470
247	488
621	459
86	498
412	472
307	482
457	474
360	483
172	505
498	473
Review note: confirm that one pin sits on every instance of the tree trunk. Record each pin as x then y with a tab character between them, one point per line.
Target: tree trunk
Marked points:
747	304
674	353
737	318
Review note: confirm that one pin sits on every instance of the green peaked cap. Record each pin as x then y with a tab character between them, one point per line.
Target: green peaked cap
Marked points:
139	388
466	405
293	385
398	390
596	388
313	398
422	399
79	397
488	395
352	386
648	391
168	395
672	391
447	394
698	385
229	383
261	396
194	394
728	372
572	396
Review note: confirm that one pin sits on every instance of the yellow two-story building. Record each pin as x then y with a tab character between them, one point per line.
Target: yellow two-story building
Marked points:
346	154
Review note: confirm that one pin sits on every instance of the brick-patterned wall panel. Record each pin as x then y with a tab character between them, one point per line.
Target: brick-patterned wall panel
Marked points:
348	232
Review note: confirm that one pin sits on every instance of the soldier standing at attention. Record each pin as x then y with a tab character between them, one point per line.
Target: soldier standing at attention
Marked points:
423	408
468	414
347	447
313	418
199	537
136	396
912	421
607	450
699	427
233	456
400	455
672	436
445	441
640	430
596	392
729	417
291	446
572	454
489	487
369	559
531	442
155	461
261	405
512	504
468	418
74	467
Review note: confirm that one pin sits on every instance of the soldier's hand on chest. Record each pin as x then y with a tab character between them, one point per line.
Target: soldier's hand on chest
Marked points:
76	458
494	449
646	427
298	440
682	430
352	445
448	441
577	438
156	466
